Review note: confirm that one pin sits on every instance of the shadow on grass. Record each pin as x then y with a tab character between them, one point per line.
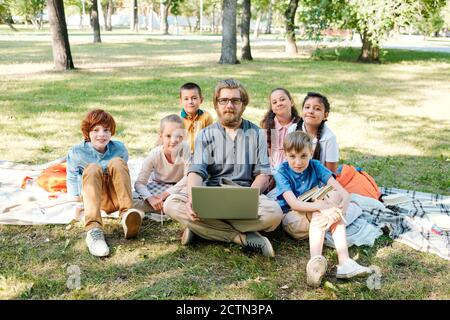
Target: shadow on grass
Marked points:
387	56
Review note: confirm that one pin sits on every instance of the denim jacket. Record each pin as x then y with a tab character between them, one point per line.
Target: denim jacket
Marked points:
80	155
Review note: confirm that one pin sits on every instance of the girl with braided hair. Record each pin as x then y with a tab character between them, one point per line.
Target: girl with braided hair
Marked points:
314	114
282	114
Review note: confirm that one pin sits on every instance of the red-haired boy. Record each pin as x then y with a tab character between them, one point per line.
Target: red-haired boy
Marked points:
97	172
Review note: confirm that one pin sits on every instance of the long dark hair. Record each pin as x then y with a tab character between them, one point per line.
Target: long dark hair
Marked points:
268	122
323	99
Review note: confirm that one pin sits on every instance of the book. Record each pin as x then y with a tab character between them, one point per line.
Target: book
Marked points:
396	198
315	193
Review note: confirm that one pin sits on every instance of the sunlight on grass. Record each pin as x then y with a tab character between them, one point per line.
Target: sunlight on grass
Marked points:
12	288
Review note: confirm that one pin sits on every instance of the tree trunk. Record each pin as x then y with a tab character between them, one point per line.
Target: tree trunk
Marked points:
370	53
258	23
11	26
161	17
151	18
108	15
94	22
246	52
269	17
62	57
165	20
134	23
289	14
228	55
213	18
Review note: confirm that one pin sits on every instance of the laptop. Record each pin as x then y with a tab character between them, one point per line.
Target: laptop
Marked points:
225	203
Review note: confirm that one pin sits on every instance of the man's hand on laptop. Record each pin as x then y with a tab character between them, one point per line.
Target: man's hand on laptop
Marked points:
190	212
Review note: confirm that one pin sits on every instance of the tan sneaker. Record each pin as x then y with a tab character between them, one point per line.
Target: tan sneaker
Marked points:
187	237
315	270
131	222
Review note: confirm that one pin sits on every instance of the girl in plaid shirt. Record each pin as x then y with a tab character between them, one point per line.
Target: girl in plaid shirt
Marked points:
163	170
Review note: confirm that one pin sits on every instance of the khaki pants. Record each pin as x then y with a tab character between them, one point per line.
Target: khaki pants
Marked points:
269	217
296	224
109	191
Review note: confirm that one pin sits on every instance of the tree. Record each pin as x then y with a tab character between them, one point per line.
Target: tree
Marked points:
62	57
289	14
228	55
246	52
30	10
5	14
166	7
94	21
269	17
134	23
432	18
107	13
372	19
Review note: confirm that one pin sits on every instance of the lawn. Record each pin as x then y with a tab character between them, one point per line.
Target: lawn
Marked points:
391	119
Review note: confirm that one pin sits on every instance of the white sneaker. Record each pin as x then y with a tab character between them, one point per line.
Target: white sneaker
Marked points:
131	222
95	240
315	270
350	268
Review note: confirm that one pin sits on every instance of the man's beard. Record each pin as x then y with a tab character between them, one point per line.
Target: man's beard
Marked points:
231	120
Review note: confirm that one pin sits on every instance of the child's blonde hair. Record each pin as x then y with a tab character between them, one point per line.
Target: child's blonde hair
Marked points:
297	141
174	118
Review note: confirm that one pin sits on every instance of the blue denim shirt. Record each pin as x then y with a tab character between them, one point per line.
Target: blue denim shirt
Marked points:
82	154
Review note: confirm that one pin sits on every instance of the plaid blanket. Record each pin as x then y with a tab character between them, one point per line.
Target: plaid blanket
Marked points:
408	222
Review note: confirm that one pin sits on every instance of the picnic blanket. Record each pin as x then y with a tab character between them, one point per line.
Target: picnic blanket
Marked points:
408	223
30	204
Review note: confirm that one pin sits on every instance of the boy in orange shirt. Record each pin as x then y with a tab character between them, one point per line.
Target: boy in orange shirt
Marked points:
194	118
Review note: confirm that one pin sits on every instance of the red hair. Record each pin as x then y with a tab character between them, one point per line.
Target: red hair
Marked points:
94	118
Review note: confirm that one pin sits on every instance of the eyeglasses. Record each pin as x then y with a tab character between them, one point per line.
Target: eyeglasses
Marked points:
234	101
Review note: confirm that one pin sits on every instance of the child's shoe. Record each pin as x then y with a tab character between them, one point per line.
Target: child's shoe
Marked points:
315	270
131	222
350	268
95	240
187	237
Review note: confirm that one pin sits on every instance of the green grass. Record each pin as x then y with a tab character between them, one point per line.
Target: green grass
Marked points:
392	119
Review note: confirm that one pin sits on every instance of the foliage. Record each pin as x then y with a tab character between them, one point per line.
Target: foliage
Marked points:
372	19
31	10
5	10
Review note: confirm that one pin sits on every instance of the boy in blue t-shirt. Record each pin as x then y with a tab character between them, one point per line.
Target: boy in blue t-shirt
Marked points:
296	176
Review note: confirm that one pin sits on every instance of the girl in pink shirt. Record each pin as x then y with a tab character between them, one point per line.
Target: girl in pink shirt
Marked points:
281	115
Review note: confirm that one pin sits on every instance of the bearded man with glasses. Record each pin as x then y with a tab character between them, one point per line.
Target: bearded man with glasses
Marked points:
231	149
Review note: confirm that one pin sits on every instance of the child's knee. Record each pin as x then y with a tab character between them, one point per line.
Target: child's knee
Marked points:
92	169
334	197
117	163
296	224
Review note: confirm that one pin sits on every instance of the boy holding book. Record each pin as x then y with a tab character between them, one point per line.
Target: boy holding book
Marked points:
303	219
